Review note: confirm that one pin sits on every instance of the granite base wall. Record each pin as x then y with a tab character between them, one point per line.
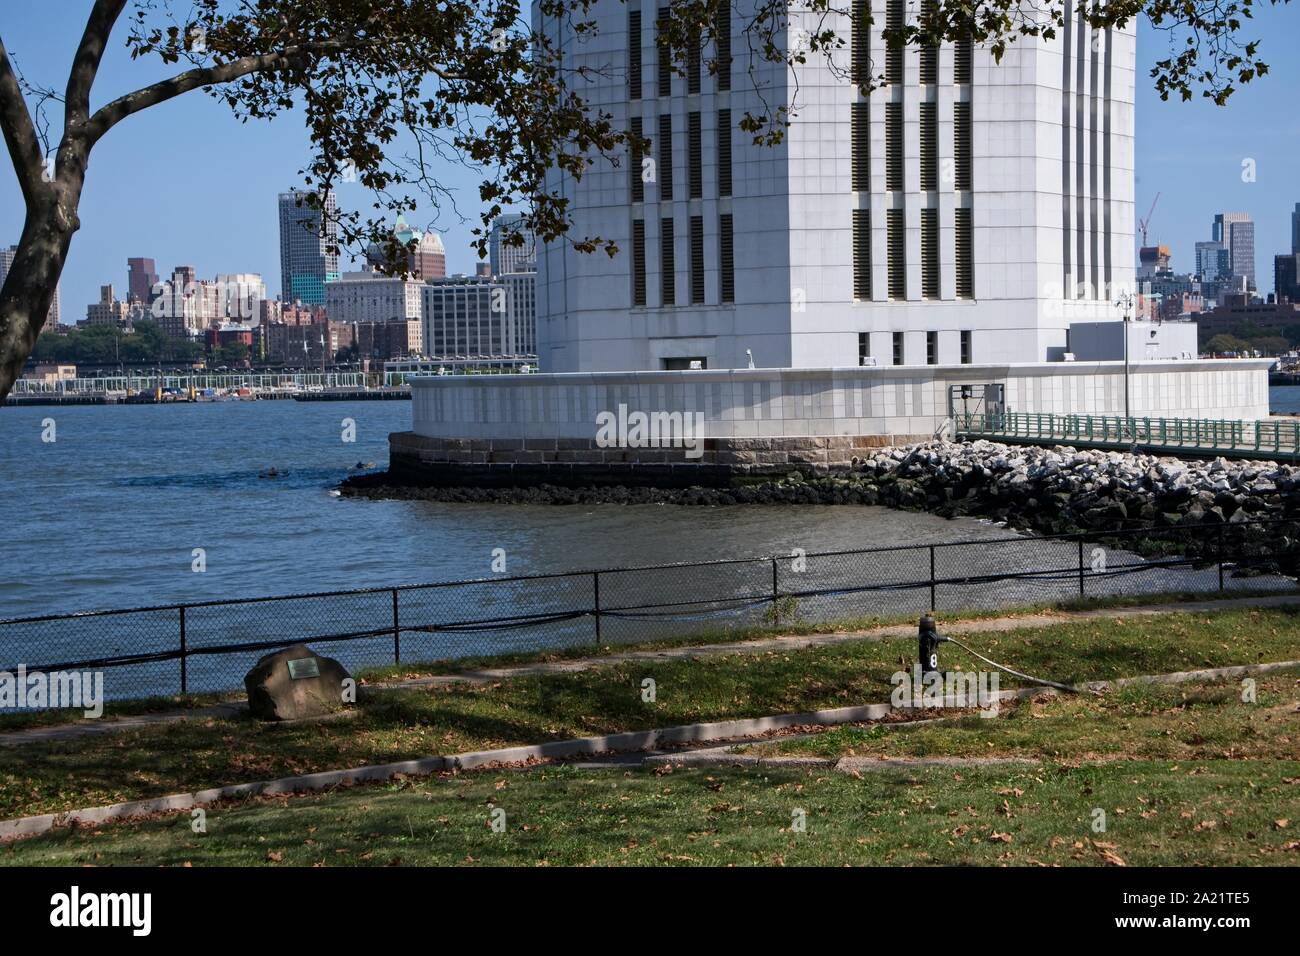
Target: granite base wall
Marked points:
577	462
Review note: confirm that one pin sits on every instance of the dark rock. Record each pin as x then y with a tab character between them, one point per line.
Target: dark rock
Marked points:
275	694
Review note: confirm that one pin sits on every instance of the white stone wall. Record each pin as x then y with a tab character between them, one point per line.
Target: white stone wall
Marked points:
774	403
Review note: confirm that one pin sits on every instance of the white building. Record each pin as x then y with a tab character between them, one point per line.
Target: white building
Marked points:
372	297
967	212
480	316
506	257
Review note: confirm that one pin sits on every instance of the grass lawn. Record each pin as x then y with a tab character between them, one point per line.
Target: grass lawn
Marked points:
398	725
1195	721
1224	812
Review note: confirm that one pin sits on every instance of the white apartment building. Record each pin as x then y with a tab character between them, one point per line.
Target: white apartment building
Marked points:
966	212
480	317
373	297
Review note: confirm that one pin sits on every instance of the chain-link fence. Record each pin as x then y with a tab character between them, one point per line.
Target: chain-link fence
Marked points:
208	646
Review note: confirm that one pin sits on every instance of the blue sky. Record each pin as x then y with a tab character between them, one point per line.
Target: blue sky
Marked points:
185	183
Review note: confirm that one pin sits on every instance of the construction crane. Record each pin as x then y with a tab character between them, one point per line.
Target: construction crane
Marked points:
1143	223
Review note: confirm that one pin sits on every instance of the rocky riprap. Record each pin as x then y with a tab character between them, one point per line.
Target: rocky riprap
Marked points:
1064	489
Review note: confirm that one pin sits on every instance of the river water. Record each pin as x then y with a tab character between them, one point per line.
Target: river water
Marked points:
110	513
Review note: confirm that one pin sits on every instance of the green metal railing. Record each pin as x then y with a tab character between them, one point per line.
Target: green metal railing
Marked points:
1217	435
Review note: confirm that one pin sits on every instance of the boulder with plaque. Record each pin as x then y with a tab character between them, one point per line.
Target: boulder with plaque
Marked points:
294	683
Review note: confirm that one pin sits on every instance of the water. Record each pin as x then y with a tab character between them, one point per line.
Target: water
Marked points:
109	514
1284	399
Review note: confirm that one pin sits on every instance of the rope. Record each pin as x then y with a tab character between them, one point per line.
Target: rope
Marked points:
1002	667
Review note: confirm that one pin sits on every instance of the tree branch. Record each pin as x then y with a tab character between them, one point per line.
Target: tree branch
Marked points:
85	64
109	115
19	131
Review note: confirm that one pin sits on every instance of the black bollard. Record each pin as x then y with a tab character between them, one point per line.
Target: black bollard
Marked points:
928	641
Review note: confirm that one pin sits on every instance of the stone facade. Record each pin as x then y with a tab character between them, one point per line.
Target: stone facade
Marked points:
577	461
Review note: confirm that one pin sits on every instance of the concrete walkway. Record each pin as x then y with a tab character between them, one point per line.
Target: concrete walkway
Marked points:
57	732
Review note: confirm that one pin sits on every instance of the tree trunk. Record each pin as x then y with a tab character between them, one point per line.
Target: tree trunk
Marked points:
29	289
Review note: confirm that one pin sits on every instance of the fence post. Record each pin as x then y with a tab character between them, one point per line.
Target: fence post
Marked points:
1220	557
184	676
1081	578
776	594
397	632
933	600
595	589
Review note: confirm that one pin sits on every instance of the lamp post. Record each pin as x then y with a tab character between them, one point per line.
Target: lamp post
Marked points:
1125	302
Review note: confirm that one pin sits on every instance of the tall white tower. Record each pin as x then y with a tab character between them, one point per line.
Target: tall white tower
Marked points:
965	212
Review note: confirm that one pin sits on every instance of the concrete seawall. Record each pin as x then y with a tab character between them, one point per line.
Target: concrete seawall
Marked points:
573	462
499	430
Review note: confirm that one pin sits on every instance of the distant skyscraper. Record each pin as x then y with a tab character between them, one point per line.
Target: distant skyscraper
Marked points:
306	262
1295	229
141	277
1236	231
51	317
1286	277
1211	260
510	258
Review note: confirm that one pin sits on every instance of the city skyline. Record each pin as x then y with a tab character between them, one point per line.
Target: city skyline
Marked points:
1250	137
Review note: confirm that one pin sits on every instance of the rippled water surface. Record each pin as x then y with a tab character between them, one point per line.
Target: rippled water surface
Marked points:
109	514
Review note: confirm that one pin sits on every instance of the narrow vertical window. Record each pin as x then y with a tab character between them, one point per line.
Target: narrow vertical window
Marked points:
894	19
965	347
929	146
634	54
695	171
864	348
898	348
860	50
896	239
861	146
862	254
961	132
722	39
697	260
929	64
726	259
962	54
929	253
638	262
668	282
637	160
666	157
965	254
929	52
931	348
665	66
894	146
724	152
693	66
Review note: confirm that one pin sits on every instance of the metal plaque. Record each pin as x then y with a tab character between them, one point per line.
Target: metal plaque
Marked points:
303	667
